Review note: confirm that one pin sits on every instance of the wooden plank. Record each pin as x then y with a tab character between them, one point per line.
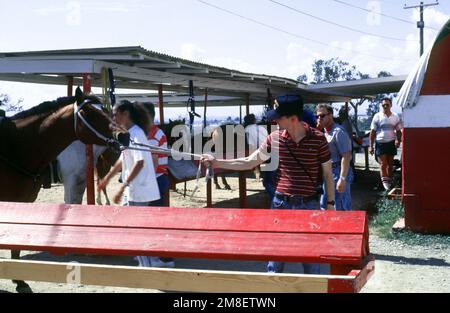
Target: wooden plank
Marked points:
257	246
360	278
286	221
164	279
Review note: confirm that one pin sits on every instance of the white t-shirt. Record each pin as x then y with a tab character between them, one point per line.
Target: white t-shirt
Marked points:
386	127
144	187
256	135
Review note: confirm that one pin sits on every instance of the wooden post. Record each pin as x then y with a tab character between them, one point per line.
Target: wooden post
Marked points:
209	194
242	190
161	105
161	122
247	104
70	86
90	186
205	108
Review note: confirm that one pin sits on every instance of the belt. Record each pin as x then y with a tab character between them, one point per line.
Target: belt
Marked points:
288	198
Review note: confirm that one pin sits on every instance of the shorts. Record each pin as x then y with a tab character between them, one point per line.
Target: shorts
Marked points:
385	148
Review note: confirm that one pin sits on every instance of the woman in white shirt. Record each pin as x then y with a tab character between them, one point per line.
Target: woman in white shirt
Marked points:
138	174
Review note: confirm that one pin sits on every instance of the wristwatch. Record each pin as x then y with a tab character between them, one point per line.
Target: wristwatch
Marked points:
331	202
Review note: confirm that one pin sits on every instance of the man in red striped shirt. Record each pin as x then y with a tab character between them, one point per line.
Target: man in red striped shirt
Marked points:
304	161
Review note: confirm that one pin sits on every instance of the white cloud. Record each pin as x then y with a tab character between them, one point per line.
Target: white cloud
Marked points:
192	52
432	17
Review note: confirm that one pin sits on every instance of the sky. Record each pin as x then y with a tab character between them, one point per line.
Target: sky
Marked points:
281	37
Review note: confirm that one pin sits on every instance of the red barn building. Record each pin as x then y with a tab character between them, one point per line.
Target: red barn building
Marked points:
425	98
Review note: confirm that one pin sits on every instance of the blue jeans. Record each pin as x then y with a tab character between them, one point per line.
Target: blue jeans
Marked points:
163	185
297	204
343	200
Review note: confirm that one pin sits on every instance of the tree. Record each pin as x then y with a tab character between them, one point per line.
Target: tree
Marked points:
374	105
334	70
8	105
302	79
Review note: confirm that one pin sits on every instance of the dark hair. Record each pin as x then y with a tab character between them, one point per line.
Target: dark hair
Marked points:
387	99
150	107
249	120
290	105
138	114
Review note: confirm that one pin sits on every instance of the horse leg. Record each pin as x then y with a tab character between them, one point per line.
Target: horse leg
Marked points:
216	183
106	197
225	183
99	198
22	287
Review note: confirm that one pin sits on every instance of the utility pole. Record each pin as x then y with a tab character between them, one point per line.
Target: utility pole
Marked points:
421	23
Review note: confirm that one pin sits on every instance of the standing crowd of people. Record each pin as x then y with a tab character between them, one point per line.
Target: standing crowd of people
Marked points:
312	156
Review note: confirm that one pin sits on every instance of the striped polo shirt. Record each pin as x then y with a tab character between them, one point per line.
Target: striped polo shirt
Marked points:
312	151
157	138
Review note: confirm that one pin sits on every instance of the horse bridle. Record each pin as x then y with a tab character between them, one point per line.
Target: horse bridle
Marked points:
110	142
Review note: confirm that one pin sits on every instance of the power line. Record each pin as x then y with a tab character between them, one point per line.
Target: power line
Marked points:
421	23
336	24
379	13
292	34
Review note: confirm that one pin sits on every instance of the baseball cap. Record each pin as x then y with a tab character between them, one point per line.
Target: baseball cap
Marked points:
286	105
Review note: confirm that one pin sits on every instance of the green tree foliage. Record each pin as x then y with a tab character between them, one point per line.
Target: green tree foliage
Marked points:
334	70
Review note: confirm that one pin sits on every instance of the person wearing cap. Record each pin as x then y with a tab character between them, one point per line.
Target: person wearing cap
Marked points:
341	154
301	153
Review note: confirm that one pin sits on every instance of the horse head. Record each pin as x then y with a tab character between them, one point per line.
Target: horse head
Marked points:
93	125
175	130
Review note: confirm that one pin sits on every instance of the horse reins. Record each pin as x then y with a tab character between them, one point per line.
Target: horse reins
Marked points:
174	153
34	177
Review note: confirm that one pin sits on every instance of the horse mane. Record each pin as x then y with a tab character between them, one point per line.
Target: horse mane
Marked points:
45	107
52	106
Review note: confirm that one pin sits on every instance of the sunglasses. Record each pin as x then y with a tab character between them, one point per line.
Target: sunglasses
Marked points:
321	115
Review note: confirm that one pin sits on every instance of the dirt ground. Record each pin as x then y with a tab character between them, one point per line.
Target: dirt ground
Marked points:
400	267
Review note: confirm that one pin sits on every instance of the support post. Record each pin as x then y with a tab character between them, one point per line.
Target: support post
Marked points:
90	187
161	105
247	104
70	86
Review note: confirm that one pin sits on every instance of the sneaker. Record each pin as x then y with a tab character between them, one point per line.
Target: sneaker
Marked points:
157	262
144	261
387	186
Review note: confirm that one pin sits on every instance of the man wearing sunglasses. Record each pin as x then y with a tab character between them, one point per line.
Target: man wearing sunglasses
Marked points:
341	154
301	153
386	134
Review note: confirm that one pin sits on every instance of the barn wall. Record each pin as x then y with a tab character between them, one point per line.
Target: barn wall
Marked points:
426	179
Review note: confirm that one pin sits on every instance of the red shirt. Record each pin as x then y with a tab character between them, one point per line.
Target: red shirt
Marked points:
157	138
312	151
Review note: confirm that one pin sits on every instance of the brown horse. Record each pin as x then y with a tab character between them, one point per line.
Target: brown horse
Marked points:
229	142
30	140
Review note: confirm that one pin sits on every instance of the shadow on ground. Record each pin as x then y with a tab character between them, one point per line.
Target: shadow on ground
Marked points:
412	261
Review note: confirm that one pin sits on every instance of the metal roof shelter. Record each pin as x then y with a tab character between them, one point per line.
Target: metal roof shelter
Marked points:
138	68
141	69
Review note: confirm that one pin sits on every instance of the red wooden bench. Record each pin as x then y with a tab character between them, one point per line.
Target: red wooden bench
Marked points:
336	238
